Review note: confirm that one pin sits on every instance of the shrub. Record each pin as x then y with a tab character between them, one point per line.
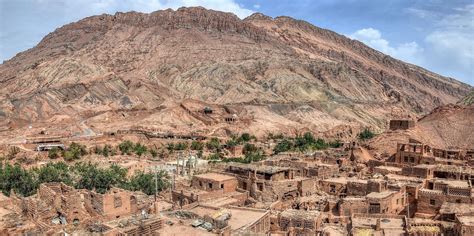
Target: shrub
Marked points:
283	146
196	145
74	152
140	149
213	144
366	134
126	147
53	153
153	153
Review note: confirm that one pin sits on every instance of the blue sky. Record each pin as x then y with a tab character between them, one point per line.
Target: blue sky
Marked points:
434	34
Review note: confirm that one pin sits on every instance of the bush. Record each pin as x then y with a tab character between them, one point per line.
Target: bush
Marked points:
196	145
283	146
366	134
74	152
213	144
335	144
126	147
153	153
53	153
140	149
249	148
215	156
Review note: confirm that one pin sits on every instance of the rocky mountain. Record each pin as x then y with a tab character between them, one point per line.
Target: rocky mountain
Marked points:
160	70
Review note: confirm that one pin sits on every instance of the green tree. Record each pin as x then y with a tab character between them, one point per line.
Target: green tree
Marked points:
145	182
54	172
89	176
283	146
214	144
74	152
249	148
13	177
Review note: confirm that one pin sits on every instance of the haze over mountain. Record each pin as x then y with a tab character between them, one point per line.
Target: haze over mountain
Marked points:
159	70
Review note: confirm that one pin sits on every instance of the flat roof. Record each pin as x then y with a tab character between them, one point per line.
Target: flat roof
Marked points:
425	166
385	222
453	183
215	176
261	169
389	168
240	216
340	180
456	208
301	214
466	220
383	194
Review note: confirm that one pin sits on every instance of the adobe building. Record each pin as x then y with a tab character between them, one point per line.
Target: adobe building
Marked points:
299	222
449	210
214	182
352	205
401	124
415	153
386	202
55	203
321	170
378	224
424	171
270	183
232	220
210	188
113	204
435	192
464	224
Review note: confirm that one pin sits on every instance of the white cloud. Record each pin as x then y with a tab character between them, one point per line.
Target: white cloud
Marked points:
451	45
410	52
256	6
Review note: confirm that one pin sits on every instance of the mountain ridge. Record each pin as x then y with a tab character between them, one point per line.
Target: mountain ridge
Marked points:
282	74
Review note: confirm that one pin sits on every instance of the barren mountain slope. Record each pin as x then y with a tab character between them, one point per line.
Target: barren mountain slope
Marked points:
446	127
111	72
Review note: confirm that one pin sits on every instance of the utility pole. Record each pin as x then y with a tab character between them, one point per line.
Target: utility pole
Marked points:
156	182
408	204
